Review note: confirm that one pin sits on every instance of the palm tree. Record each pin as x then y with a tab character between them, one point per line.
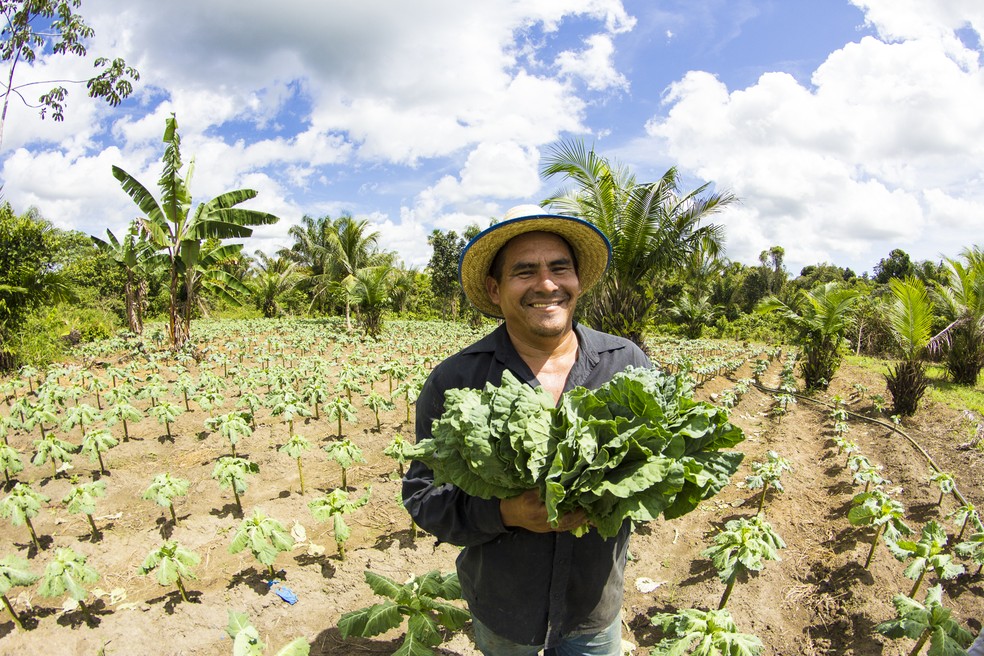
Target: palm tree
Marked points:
652	227
273	278
910	315
370	291
172	229
819	317
132	255
961	302
694	312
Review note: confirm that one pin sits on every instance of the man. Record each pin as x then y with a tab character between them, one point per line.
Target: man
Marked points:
529	585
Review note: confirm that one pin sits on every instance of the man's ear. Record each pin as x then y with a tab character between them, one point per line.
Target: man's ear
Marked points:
492	287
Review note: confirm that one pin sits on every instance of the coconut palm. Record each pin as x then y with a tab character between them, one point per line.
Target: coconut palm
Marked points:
272	278
177	233
910	316
819	319
652	227
369	291
961	302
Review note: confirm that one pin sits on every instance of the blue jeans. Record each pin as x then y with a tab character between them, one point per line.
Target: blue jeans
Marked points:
607	642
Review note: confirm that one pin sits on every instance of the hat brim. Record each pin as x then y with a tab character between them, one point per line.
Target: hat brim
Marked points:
591	249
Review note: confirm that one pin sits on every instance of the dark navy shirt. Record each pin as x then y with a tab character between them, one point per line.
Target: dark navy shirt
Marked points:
530	588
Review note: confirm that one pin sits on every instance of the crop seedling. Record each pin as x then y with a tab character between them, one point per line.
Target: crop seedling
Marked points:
944	483
14	572
233	426
295	448
21	505
82	499
870	475
345	453
766	475
166	413
928	621
52	448
246	639
926	554
10	461
333	506
173	564
964	515
231	472
743	546
123	413
339	408
163	491
703	633
290	406
378	403
95	443
973	548
264	536
878	509
397	450
423	600
780	405
68	573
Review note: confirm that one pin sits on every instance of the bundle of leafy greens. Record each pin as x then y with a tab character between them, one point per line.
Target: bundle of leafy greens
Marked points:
638	447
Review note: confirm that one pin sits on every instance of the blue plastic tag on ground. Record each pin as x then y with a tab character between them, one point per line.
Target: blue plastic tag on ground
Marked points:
283	592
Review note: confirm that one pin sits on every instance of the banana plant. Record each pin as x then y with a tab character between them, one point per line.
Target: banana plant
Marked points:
264	536
82	499
878	509
703	633
68	573
743	546
231	472
21	505
173	564
333	506
295	448
345	453
14	572
164	489
928	553
926	622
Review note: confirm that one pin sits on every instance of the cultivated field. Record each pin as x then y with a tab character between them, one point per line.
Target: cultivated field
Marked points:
818	599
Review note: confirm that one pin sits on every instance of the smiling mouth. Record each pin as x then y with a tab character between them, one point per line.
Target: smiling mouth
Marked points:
546	304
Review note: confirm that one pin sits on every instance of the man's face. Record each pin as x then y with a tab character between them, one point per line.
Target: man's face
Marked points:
539	286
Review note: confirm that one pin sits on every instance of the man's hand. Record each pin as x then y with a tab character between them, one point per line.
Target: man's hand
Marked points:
529	512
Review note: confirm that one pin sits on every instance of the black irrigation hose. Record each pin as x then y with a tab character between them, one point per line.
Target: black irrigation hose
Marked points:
892	427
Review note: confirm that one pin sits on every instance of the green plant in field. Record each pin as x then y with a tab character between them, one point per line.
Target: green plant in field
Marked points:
95	443
928	553
173	564
870	475
345	453
339	408
82	415
965	515
14	572
122	412
166	413
703	633
52	448
21	505
944	482
290	406
910	318
186	386
82	499
926	622
410	389
767	475
315	392
264	536
743	546
68	573
333	506
295	448
377	403
231	472
973	548
10	461
397	450
40	414
163	491
423	601
233	426
780	405
246	639
878	509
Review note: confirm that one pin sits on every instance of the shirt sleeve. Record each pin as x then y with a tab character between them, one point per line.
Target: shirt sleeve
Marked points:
445	511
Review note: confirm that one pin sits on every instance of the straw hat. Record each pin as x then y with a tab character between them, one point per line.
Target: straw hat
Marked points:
591	249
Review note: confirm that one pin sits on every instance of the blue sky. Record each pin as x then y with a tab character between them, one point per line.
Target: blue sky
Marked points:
846	128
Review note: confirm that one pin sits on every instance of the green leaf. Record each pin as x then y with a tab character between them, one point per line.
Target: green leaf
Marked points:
370	621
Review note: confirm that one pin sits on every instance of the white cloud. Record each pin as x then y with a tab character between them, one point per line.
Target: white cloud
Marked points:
594	64
841	169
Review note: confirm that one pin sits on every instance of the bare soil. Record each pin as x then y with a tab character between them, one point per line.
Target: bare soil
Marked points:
818	600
